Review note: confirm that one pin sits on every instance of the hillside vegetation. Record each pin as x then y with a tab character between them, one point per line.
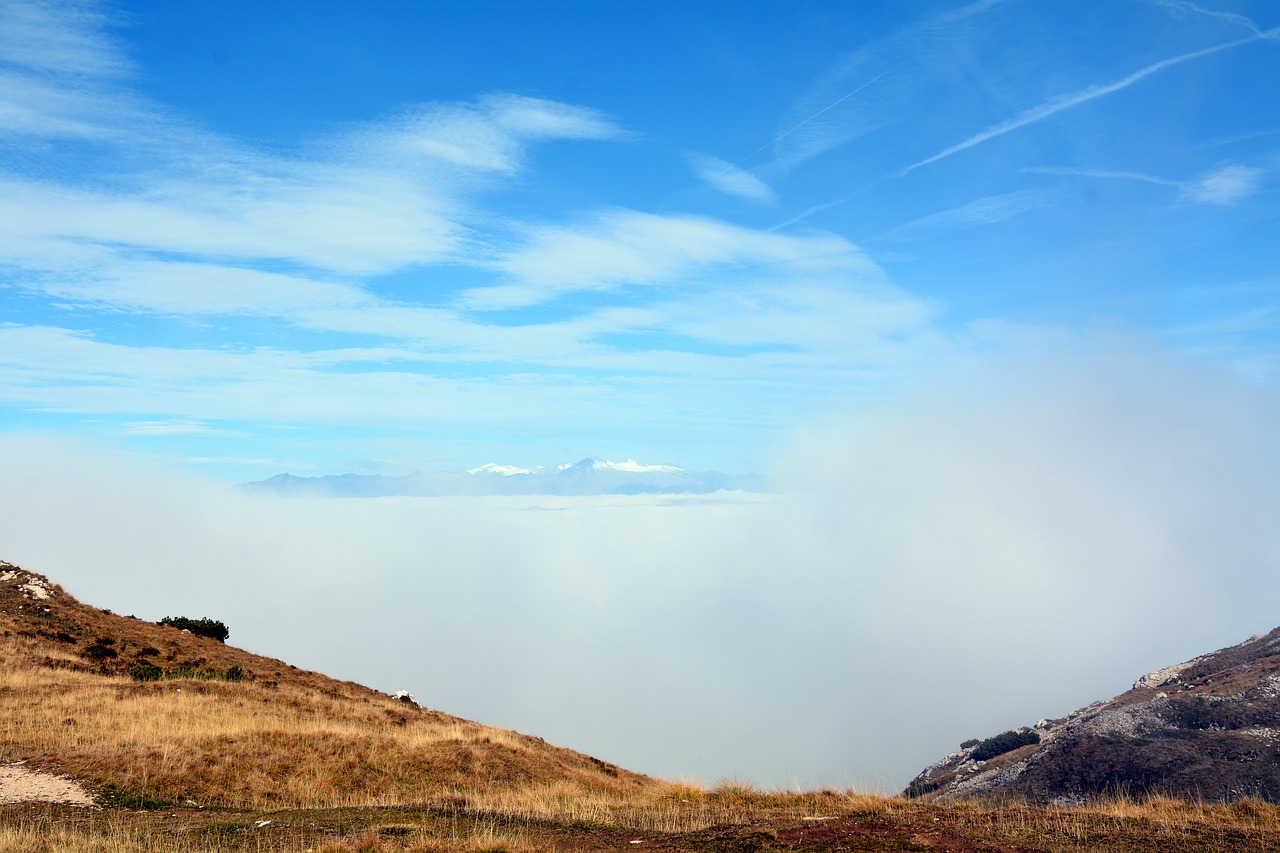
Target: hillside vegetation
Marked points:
267	736
188	744
1207	728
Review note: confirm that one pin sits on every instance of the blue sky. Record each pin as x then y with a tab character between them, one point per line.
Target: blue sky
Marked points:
321	237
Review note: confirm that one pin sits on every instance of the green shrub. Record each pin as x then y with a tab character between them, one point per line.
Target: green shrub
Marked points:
919	787
204	627
1002	743
146	672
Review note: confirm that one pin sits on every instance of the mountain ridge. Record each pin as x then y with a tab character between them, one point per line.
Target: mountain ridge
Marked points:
589	476
1204	729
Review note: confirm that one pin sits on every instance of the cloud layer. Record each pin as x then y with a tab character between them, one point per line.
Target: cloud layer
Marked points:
968	560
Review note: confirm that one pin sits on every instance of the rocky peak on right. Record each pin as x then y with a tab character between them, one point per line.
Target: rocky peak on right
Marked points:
1207	729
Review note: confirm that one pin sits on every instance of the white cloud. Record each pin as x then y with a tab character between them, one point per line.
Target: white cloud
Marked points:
58	38
174	428
194	289
536	118
374	199
348	223
1225	185
728	178
625	247
491	134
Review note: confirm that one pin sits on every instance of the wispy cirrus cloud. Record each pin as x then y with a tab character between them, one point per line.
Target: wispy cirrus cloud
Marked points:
621	248
730	179
983	211
174	428
491	134
59	39
1223	186
1182	8
877	85
366	200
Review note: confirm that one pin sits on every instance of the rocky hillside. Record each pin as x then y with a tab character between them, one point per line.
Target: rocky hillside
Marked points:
143	713
1205	729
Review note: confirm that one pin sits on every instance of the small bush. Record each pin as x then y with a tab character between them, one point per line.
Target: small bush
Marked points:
1002	743
204	627
972	742
146	672
100	650
235	673
919	787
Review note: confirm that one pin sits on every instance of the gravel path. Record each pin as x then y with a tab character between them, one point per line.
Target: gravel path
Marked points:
20	785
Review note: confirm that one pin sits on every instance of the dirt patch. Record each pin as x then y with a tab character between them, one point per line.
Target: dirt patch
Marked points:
21	785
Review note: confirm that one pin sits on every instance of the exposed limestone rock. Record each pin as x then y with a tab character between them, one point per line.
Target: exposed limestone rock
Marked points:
1210	733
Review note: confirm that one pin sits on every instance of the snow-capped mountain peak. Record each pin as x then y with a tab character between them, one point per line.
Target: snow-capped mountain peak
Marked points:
632	467
499	470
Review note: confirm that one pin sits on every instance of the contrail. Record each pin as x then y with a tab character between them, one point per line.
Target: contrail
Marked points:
1065	102
786	133
1101	173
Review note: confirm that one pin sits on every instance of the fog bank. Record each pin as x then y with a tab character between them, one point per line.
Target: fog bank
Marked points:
945	567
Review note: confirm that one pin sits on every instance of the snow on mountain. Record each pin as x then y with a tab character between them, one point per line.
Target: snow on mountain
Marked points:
631	466
589	476
499	470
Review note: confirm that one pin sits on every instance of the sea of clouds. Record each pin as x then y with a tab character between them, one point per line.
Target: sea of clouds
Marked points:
1005	546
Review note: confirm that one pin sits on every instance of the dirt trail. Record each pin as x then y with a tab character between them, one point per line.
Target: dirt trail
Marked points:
20	785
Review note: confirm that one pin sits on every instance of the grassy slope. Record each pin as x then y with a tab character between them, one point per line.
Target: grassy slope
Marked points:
278	737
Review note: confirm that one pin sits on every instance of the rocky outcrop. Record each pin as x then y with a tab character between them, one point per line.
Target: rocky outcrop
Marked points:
1205	729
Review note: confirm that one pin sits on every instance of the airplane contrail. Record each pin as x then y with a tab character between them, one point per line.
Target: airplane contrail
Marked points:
1035	114
1065	102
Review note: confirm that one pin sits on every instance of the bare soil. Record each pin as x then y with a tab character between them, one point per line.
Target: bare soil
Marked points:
19	784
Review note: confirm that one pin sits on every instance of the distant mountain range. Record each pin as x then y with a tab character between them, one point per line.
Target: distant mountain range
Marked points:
587	477
1207	729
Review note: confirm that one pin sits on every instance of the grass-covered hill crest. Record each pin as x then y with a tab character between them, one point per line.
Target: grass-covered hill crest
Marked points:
151	713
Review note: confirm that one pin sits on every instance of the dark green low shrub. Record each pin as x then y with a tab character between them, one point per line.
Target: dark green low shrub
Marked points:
146	672
919	787
1002	743
151	672
204	627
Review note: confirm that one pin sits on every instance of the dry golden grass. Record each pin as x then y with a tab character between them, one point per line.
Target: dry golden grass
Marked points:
680	817
280	738
138	833
236	744
670	807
